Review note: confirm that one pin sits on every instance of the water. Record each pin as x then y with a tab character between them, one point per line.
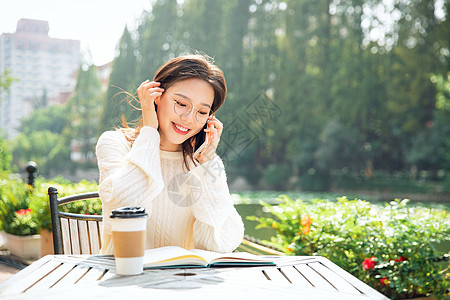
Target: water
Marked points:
253	197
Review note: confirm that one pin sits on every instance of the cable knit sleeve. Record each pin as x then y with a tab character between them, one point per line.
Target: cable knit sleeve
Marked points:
129	177
218	226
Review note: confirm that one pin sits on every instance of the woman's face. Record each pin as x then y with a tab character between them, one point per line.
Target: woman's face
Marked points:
175	129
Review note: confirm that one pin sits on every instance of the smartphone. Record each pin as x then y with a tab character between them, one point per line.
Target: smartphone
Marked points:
202	143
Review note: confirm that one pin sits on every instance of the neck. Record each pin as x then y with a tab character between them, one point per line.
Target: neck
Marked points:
165	145
169	148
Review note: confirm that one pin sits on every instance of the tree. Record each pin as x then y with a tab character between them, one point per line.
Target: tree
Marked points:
6	80
121	82
84	111
303	86
306	78
158	40
429	149
5	155
336	140
202	31
53	118
44	147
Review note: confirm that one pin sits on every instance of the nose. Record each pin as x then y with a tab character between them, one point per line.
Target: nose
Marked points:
189	117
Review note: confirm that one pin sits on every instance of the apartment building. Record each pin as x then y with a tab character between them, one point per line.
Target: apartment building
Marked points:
45	69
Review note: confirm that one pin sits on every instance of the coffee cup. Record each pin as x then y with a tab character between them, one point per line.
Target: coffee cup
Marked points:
129	225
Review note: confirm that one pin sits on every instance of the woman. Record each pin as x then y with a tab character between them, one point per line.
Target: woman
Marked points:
153	166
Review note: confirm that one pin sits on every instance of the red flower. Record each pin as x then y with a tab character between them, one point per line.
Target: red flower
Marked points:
384	281
402	258
23	212
369	263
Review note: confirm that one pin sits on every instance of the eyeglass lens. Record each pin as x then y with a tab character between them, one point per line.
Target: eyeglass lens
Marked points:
183	107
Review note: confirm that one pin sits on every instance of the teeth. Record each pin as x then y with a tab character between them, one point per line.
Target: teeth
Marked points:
181	128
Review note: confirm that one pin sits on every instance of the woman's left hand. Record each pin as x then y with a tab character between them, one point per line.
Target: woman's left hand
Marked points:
214	130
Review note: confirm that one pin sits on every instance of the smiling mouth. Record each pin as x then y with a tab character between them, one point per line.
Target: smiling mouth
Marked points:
180	129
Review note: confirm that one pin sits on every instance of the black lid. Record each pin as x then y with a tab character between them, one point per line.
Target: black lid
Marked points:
128	212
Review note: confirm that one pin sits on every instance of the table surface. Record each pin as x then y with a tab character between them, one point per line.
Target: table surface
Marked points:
76	276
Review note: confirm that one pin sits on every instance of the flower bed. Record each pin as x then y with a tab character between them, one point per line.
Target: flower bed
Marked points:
391	248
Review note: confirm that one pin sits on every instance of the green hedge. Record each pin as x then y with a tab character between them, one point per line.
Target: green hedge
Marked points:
391	248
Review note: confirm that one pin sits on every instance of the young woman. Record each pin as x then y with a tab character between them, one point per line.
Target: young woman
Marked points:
153	165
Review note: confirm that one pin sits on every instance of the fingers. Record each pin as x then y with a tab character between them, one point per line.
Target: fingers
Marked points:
215	127
214	130
149	91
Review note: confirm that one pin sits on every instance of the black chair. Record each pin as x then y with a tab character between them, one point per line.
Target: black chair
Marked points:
74	233
81	234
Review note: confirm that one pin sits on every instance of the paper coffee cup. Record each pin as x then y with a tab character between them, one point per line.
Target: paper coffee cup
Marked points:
129	225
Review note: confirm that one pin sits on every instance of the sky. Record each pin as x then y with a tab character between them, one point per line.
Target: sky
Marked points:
97	24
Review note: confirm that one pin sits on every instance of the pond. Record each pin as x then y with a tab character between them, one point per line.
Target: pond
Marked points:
253	197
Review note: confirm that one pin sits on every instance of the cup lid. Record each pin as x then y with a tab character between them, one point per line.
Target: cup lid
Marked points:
128	212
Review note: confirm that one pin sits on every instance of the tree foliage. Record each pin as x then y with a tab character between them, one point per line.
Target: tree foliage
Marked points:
84	115
320	86
6	79
316	88
62	137
5	154
121	80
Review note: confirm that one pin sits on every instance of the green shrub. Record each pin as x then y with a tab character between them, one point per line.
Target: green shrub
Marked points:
18	213
16	196
65	188
391	248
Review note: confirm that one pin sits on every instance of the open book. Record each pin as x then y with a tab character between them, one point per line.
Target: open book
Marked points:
177	257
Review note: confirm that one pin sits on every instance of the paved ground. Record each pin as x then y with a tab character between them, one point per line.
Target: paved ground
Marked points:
9	265
6	271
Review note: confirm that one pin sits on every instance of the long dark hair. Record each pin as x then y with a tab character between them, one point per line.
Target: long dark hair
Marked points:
182	68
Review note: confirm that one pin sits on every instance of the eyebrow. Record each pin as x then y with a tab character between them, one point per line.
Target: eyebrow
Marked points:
186	97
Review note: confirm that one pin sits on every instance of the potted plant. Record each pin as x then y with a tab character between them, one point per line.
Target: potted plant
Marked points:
19	219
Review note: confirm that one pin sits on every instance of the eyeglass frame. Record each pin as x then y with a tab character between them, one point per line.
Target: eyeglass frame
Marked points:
189	110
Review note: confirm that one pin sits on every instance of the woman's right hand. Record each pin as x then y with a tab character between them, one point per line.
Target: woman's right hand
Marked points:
148	92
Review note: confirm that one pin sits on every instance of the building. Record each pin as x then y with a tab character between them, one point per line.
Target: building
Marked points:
45	69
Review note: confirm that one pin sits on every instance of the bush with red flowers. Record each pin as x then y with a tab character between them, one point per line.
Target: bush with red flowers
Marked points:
16	214
369	263
392	247
25	210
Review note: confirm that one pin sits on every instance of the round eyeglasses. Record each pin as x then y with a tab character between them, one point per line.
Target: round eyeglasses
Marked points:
183	107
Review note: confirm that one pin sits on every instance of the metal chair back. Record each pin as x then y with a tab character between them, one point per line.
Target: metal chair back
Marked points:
81	234
74	233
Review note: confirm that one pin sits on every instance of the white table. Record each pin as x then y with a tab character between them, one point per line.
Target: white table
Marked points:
93	276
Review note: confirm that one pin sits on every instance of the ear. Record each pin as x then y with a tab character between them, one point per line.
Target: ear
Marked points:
157	100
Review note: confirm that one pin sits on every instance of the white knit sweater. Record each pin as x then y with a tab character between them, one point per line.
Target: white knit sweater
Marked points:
188	209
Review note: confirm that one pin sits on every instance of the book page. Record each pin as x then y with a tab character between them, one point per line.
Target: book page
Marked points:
212	257
171	255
